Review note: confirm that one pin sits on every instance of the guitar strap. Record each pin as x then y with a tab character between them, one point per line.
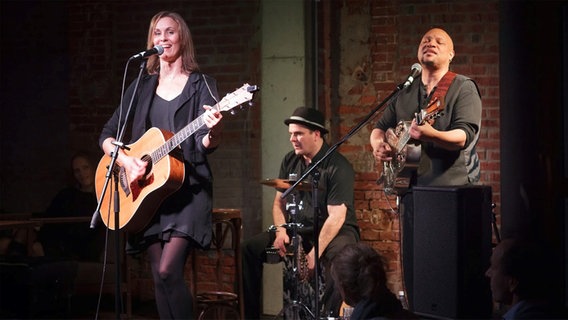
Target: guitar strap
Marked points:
442	88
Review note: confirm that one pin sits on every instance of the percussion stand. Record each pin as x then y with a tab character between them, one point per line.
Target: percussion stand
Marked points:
293	226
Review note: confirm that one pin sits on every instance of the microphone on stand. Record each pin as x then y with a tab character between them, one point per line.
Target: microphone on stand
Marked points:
415	70
150	52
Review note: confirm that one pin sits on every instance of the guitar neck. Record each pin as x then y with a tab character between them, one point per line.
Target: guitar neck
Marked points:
179	137
404	138
421	118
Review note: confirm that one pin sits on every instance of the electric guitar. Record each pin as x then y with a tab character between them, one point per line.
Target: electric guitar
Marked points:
139	200
398	139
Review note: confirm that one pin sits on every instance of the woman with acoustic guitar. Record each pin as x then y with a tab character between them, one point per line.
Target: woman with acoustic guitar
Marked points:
172	94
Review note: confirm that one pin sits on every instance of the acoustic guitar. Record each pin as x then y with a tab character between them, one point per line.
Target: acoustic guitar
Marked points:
139	200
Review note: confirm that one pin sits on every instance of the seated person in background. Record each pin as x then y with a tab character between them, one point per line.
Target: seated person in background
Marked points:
360	277
520	278
9	245
73	240
13	241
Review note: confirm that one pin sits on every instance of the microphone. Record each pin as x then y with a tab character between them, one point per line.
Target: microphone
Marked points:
150	52
415	70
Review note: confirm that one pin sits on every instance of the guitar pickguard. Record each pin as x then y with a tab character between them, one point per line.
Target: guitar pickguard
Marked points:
123	180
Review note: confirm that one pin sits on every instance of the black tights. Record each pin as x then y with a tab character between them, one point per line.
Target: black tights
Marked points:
167	260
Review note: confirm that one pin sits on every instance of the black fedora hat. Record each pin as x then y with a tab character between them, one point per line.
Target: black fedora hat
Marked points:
308	117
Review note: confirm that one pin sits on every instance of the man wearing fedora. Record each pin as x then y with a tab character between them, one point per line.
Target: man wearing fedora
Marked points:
336	215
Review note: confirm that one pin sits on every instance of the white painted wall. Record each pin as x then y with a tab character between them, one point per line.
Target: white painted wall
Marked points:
282	90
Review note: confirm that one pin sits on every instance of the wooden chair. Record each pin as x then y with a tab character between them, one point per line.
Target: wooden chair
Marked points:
221	299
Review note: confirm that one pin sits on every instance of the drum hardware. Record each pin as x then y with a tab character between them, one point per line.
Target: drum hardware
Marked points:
294	250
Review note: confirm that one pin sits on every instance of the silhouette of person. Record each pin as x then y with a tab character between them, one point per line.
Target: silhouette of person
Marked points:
520	279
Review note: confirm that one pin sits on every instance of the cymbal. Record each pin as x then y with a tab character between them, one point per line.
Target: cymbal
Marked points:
285	184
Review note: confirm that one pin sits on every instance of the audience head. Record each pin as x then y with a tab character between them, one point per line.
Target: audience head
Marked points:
518	271
359	273
83	170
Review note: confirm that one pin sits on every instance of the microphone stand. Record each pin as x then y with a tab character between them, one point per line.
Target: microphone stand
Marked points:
110	170
316	175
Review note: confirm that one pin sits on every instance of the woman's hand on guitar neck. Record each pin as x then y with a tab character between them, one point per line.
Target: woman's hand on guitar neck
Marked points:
212	118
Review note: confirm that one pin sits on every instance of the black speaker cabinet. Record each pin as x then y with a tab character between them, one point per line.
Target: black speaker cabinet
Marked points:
446	251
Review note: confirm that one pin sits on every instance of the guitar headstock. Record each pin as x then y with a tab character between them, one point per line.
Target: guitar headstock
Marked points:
238	97
433	111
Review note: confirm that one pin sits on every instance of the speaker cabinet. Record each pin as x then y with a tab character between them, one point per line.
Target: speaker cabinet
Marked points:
447	240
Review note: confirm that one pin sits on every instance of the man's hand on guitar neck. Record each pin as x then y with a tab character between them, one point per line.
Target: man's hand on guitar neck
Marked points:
451	140
421	132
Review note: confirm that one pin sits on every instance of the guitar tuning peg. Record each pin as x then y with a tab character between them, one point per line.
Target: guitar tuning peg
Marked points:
250	104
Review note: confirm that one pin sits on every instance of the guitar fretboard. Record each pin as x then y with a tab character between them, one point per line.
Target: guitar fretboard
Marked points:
403	140
177	139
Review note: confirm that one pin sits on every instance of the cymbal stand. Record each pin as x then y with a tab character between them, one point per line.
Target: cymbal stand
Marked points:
295	239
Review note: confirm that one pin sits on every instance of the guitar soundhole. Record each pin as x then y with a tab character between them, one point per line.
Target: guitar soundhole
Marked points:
147	175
